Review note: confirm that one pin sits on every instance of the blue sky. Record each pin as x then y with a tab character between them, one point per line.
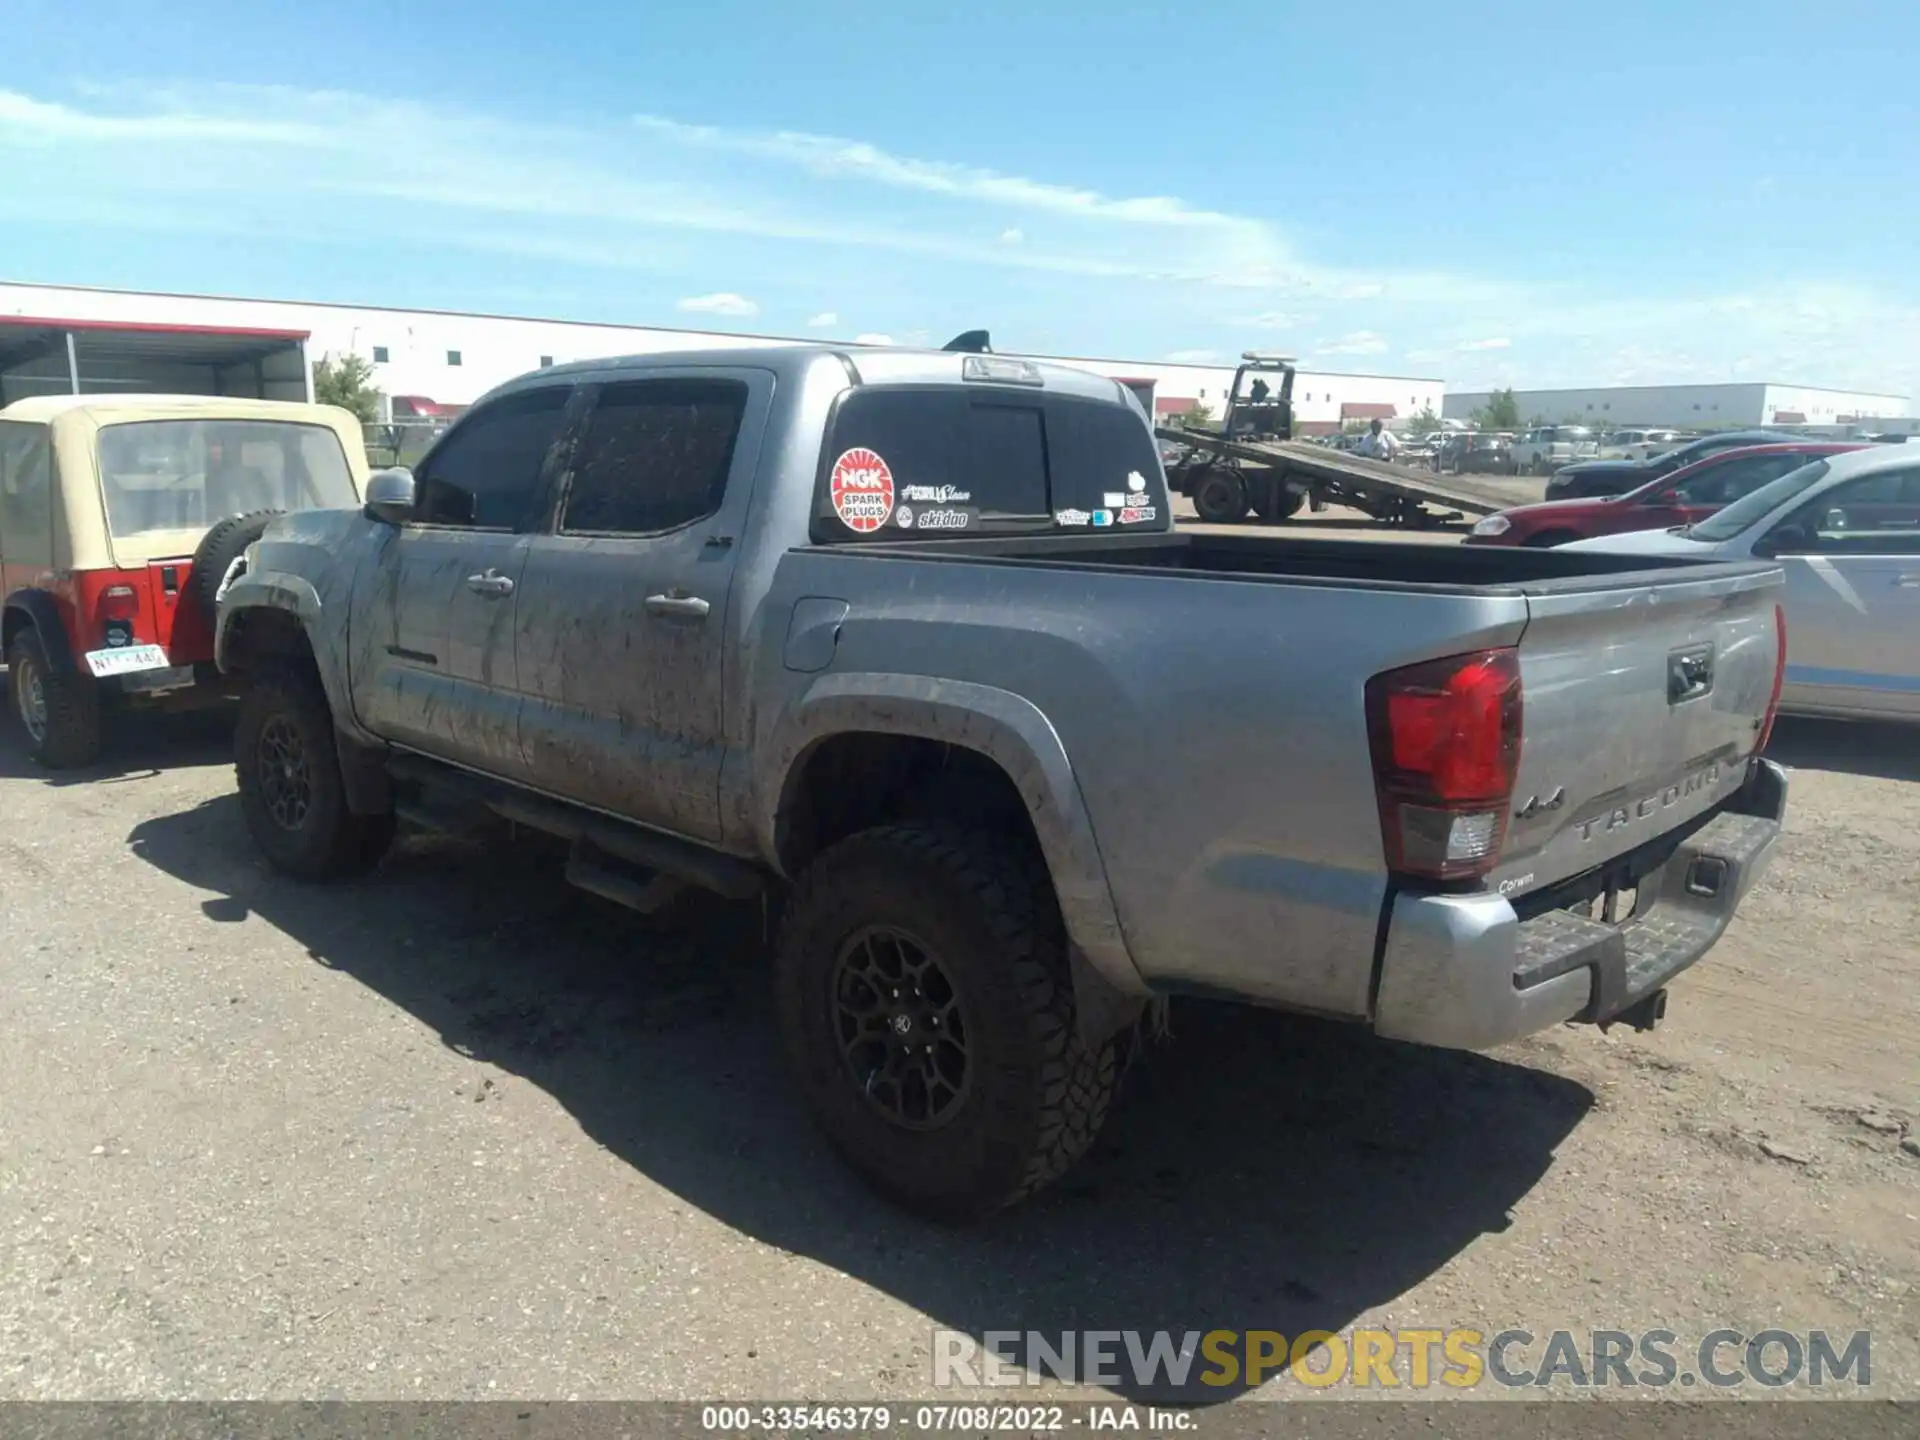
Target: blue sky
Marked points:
1536	194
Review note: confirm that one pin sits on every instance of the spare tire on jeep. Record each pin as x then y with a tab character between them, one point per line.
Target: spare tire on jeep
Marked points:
219	548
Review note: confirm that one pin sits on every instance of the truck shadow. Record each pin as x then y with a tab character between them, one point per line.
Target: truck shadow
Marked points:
1874	749
1260	1172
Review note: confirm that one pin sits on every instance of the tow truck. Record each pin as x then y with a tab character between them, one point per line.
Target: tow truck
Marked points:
1253	464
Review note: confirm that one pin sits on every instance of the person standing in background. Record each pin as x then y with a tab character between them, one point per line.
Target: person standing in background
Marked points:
1378	443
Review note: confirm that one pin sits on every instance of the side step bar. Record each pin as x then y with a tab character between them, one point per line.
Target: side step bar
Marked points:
680	860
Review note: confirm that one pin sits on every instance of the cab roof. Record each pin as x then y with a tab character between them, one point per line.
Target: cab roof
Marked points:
878	365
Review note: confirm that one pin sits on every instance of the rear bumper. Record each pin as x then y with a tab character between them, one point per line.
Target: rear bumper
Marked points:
1466	972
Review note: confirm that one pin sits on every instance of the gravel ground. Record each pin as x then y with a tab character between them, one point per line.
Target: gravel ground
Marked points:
459	1131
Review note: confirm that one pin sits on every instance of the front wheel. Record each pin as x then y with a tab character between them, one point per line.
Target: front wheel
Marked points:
291	790
922	989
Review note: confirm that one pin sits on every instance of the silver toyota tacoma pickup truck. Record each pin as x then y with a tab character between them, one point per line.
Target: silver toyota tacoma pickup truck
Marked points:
908	644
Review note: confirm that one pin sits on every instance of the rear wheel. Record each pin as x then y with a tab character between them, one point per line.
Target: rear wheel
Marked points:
1275	501
922	989
1220	496
60	714
291	791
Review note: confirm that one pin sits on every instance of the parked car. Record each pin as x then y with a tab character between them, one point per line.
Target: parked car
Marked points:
119	517
1637	444
1420	449
1687	495
1846	529
1545	448
1478	454
1590	479
913	633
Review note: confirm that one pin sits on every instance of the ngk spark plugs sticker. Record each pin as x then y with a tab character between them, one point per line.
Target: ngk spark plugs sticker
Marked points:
862	489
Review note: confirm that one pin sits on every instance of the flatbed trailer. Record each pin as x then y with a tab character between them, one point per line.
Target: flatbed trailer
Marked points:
1279	476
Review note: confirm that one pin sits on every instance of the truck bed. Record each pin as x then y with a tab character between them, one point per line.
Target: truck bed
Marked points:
1366	563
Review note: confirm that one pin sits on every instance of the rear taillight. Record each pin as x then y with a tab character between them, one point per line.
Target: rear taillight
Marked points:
118	602
1779	679
1446	748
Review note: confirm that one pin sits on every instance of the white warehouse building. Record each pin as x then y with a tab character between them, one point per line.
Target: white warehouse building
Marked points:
1691	407
55	339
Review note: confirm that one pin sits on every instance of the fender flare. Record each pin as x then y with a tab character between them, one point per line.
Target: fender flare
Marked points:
43	613
290	593
362	758
1006	728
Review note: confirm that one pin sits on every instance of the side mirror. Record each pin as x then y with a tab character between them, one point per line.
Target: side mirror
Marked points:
390	496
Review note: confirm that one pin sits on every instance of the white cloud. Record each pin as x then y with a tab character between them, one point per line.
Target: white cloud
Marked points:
831	156
1270	320
1356	342
724	302
1423	357
825	320
1193	357
24	118
870	338
1012	236
1497	342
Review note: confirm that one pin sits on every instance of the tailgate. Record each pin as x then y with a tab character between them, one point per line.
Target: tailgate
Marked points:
1641	694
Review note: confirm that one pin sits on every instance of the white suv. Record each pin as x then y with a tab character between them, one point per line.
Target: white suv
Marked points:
1638	444
1545	448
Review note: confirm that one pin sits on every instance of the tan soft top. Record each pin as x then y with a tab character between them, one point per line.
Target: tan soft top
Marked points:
75	421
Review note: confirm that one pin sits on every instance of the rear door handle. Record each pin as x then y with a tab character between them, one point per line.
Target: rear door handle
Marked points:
490	583
679	604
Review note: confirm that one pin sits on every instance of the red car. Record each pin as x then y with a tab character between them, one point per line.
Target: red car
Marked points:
1687	495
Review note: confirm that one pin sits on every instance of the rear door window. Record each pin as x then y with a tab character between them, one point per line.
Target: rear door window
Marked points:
654	457
934	462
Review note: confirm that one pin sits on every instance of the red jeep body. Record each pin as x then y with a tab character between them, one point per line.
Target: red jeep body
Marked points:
119	517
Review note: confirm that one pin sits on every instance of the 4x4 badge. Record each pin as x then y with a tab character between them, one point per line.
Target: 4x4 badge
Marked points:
1535	805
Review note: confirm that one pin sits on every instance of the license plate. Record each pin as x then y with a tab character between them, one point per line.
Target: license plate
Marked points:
127	660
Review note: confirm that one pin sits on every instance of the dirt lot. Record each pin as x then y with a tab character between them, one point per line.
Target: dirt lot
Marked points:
459	1131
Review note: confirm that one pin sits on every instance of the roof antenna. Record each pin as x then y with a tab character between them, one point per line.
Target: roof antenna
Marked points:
970	342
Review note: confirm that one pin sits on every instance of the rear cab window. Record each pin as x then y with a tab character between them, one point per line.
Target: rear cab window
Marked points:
932	462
